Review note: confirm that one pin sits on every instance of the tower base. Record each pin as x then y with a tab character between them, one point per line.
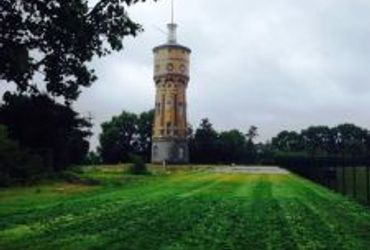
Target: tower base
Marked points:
170	150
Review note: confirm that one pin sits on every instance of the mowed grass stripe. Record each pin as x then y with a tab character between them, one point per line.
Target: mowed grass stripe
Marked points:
106	200
71	216
335	214
240	223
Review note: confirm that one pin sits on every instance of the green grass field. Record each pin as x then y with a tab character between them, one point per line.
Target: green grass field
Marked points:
181	210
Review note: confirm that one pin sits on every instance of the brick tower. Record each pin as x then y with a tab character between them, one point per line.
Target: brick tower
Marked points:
171	77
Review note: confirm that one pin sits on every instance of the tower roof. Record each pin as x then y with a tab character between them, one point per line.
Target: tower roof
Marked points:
172	35
172	40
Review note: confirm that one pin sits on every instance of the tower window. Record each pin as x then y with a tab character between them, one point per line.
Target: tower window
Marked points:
170	67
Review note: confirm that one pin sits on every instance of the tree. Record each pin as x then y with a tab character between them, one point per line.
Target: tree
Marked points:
345	140
145	128
118	138
55	40
54	131
203	147
232	147
16	163
317	139
287	141
252	133
126	135
350	140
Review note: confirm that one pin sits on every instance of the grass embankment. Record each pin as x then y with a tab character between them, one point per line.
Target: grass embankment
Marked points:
183	210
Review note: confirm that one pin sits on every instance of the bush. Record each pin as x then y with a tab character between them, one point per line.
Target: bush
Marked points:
138	166
93	158
16	165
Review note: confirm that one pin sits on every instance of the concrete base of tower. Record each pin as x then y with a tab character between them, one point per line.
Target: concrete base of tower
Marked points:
170	150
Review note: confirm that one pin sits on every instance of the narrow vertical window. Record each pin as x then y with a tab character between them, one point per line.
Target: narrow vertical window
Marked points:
163	106
175	109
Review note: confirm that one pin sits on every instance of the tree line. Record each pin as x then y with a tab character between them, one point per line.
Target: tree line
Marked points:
130	134
345	140
208	146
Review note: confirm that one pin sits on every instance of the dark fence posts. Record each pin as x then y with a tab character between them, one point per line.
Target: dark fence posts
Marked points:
354	186
368	183
336	173
344	180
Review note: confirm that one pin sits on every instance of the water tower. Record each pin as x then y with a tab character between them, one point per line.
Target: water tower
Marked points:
171	78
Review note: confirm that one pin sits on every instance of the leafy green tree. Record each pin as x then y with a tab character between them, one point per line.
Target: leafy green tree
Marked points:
287	141
54	131
367	143
345	140
56	39
232	146
252	133
350	140
317	139
118	138
16	164
203	146
125	135
145	128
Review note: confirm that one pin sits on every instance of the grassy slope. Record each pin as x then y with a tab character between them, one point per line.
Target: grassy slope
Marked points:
186	210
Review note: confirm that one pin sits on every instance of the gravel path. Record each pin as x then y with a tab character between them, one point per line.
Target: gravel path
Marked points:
252	169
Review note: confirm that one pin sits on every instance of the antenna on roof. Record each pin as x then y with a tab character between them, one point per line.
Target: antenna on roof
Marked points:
172	26
172	11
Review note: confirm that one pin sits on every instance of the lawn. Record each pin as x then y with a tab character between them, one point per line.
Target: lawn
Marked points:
181	210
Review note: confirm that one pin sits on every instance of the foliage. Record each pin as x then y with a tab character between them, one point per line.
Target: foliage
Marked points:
203	146
137	166
190	210
346	140
232	145
93	158
126	134
53	131
208	146
287	141
15	163
252	133
56	39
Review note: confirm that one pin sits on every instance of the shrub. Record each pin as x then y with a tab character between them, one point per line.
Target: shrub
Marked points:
93	158
16	165
137	166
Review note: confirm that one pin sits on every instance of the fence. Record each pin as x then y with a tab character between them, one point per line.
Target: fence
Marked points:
350	177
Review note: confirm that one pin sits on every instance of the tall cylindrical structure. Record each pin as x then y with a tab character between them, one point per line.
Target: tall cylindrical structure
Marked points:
171	77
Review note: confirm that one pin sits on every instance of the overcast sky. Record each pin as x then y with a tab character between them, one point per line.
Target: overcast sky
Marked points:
277	64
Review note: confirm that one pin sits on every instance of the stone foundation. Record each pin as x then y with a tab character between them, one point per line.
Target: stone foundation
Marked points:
170	150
